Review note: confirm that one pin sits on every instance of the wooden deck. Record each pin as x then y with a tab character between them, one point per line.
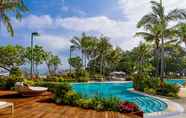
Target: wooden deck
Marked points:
41	107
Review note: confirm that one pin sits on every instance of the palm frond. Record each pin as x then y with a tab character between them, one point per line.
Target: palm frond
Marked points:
148	19
177	14
7	23
147	36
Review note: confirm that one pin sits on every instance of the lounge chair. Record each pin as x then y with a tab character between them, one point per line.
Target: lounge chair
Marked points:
27	90
7	105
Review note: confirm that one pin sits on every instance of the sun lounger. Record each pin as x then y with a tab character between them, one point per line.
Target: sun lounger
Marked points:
26	90
7	105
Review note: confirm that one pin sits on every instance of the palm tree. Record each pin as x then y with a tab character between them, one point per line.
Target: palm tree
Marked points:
103	49
152	35
52	62
160	18
16	7
77	45
85	44
141	53
181	32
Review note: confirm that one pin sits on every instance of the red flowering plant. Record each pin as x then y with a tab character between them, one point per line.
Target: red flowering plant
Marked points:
127	107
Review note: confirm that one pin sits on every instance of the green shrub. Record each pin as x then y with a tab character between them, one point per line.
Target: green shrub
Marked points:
2	82
85	103
15	72
60	91
29	82
82	75
97	104
104	104
150	91
10	81
153	83
69	76
111	104
54	79
153	86
129	78
71	98
169	90
140	82
98	77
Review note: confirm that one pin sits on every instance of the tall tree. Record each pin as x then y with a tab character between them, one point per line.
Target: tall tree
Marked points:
39	56
52	62
181	32
85	45
142	55
75	62
16	7
11	56
152	35
160	18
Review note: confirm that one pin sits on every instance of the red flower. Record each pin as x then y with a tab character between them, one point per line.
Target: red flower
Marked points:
128	107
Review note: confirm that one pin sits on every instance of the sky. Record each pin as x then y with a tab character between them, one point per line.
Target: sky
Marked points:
58	21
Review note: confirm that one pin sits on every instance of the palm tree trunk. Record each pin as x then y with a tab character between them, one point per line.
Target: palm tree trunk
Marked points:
82	57
85	60
37	72
70	59
101	62
162	58
157	61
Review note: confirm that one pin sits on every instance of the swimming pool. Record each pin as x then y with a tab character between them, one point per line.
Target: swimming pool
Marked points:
121	91
175	81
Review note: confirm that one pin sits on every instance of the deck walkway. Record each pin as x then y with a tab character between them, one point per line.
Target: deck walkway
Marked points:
41	107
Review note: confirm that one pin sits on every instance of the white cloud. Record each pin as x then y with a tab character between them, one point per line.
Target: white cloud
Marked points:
53	42
100	24
34	22
120	32
135	9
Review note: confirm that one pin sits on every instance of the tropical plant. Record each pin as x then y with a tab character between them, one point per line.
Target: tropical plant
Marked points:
127	107
142	55
161	19
39	55
11	56
75	62
82	44
52	62
153	36
16	72
16	7
181	32
174	58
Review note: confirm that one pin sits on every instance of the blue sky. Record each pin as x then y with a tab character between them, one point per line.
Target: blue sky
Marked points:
59	20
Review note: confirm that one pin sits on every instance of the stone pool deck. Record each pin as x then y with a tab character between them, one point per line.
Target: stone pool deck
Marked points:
175	107
181	101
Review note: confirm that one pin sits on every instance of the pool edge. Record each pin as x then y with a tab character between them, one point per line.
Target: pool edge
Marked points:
173	108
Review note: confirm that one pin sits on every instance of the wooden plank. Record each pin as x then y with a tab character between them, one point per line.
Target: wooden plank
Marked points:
40	107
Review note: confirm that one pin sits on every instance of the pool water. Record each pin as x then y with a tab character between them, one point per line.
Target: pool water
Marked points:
121	91
176	81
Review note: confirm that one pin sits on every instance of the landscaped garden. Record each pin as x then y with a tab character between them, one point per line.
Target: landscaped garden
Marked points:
154	70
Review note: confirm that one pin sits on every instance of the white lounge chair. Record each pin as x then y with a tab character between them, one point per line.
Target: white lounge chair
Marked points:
26	90
7	105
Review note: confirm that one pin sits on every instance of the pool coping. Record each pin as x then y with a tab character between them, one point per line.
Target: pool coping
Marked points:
91	82
173	108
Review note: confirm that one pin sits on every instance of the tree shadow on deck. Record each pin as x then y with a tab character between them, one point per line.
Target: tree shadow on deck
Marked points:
11	95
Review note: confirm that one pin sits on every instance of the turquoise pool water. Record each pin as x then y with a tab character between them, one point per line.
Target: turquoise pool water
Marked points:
120	90
176	81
